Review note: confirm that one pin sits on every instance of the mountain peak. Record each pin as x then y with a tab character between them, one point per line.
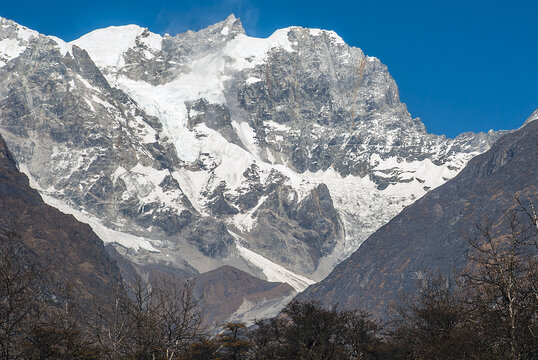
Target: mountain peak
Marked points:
106	46
534	116
231	18
233	23
230	27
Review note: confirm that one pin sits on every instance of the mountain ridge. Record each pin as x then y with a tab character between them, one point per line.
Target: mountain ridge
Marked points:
429	235
277	156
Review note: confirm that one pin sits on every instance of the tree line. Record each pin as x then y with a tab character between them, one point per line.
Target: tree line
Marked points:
487	311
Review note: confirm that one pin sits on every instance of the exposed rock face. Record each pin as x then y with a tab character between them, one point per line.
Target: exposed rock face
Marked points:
313	224
429	235
70	251
278	156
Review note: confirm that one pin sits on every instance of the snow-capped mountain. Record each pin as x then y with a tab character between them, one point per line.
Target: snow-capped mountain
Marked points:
277	156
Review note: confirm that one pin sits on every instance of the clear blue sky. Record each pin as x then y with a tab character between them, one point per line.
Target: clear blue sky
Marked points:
460	65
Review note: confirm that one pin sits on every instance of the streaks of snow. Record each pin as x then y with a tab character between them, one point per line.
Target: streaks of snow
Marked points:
247	135
273	271
126	240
